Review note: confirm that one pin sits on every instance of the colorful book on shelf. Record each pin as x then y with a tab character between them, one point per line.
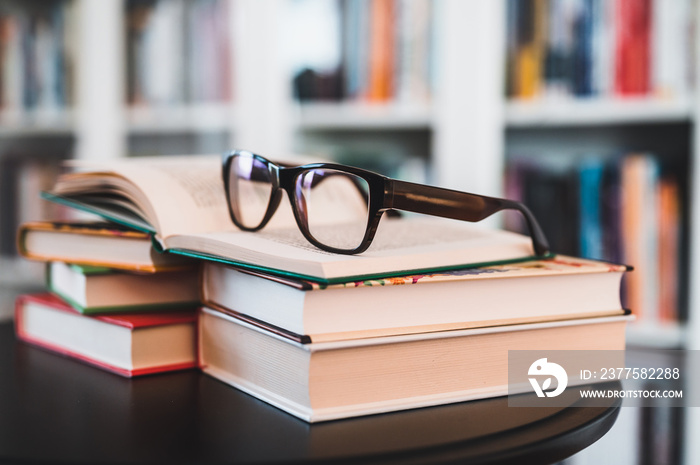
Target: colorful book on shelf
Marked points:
590	184
92	290
639	178
381	51
530	53
129	345
95	243
332	380
535	291
181	201
669	226
633	47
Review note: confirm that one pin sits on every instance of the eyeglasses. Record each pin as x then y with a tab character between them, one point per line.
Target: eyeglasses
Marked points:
338	207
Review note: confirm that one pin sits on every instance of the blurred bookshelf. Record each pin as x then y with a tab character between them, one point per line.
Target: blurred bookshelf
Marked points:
391	90
601	96
454	93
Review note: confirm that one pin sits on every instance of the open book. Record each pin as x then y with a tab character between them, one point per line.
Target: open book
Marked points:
181	201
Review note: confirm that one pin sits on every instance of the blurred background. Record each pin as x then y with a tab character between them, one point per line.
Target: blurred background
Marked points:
583	109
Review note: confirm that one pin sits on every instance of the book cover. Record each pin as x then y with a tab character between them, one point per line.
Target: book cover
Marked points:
94	243
542	290
99	290
128	345
332	380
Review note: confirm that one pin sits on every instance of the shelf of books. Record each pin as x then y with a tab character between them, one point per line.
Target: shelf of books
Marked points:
178	52
36	67
592	68
364	82
178	67
624	48
627	209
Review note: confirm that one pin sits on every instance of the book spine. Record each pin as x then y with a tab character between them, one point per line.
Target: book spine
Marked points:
633	47
668	199
381	51
582	62
590	185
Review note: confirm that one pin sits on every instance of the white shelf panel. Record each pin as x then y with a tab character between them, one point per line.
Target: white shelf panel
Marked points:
18	273
316	116
658	335
584	112
180	118
37	122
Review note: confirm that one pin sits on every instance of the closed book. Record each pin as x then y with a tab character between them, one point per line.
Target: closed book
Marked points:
540	290
129	345
94	243
103	290
332	380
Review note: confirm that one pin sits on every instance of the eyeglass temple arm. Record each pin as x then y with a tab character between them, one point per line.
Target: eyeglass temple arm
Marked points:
447	203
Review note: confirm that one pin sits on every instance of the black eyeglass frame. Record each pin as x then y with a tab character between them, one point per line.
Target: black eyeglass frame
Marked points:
384	194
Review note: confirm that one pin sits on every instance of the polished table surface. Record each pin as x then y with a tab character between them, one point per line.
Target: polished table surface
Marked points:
57	410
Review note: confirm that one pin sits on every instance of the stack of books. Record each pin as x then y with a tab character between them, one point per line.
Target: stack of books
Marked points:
425	317
111	302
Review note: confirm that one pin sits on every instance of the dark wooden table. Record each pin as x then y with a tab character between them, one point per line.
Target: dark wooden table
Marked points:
57	410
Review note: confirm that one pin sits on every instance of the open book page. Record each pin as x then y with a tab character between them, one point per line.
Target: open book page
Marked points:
400	247
185	194
179	195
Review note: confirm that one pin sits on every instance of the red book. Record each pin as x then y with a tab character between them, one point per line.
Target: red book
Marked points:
126	344
633	51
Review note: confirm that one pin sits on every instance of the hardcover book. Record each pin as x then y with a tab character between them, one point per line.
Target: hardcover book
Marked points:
332	380
539	290
103	290
129	345
95	244
181	201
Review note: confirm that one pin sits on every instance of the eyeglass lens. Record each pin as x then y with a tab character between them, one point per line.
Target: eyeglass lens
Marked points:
250	188
335	206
